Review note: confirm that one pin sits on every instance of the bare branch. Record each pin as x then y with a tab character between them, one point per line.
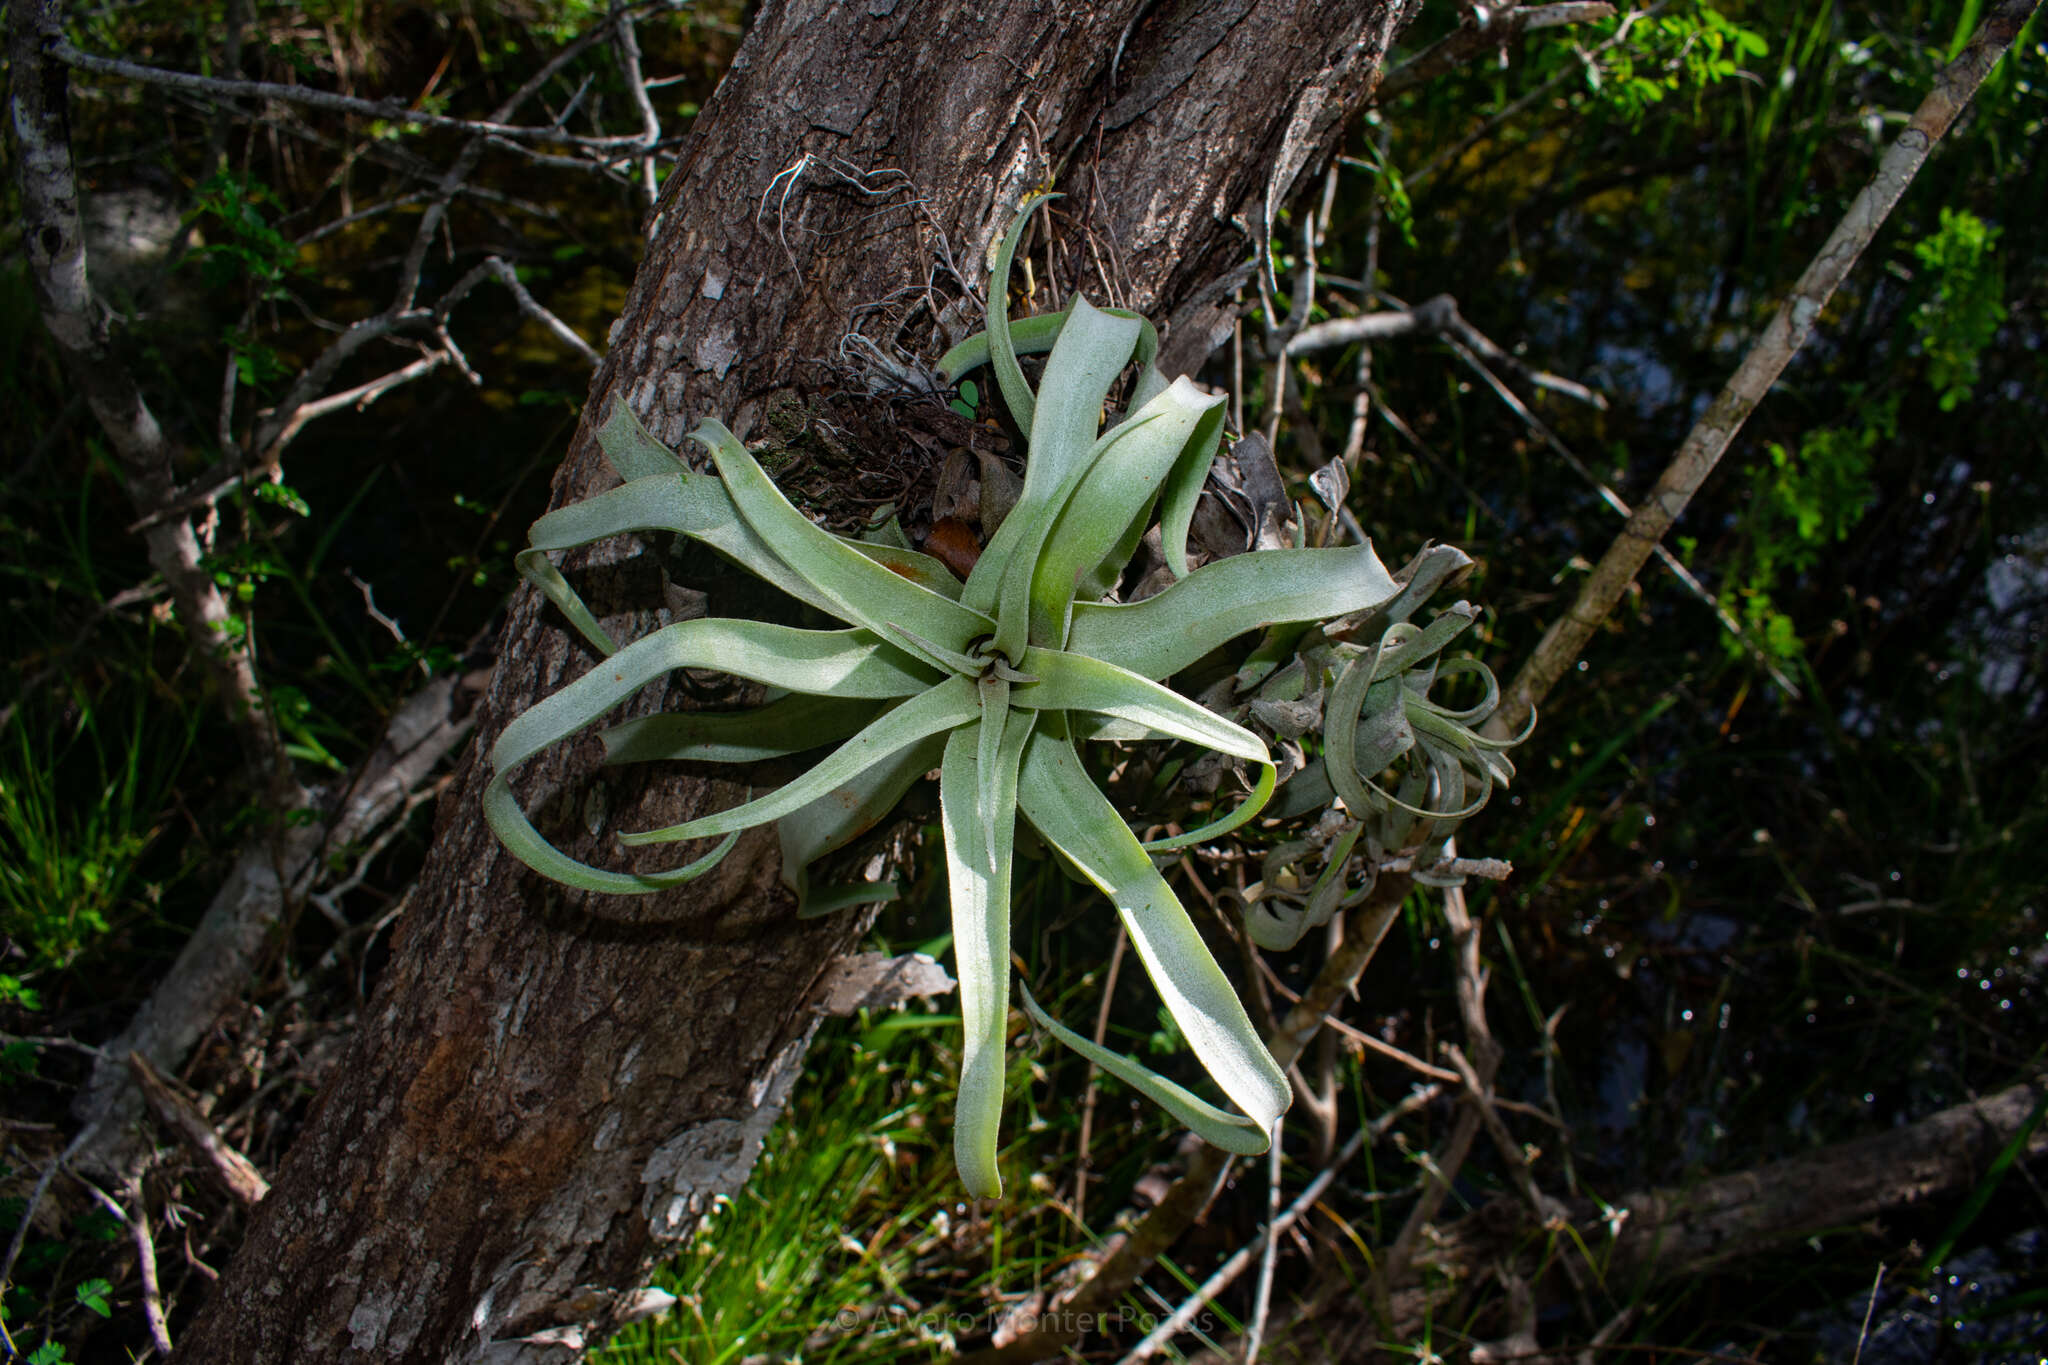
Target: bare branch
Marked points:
1766	360
495	267
1469	42
1224	1274
232	1171
389	110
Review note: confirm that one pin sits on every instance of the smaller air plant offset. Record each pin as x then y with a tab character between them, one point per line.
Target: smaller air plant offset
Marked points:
997	681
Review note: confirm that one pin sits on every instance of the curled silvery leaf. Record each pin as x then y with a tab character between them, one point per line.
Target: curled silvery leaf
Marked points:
995	680
1377	713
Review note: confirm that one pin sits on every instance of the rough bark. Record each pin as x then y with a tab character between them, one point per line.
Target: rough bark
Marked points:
549	1088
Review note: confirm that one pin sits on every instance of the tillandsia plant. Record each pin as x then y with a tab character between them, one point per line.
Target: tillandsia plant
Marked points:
994	680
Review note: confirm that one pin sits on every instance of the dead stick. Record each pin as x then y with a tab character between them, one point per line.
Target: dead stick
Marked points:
1787	332
231	1170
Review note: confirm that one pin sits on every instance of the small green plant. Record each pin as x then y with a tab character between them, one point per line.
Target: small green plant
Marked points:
1967	305
996	682
68	867
1693	44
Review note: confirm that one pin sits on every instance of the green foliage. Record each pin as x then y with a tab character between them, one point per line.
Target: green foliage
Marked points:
69	867
1801	505
1691	46
1966	303
92	1295
241	241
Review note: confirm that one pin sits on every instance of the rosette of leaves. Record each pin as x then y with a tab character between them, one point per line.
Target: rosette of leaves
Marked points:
1373	704
995	681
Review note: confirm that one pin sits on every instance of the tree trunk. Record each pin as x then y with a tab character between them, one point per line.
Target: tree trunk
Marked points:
548	1088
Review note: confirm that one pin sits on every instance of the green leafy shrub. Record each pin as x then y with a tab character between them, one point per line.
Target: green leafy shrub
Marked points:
1966	305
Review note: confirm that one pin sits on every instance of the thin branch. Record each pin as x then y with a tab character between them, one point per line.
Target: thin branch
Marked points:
391	110
1269	1256
1093	1089
1470	42
495	267
1788	330
232	1171
1450	155
1228	1272
636	88
1613	499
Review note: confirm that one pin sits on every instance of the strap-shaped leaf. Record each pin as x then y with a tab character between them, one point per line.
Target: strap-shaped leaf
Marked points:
1036	334
1224	824
695	505
1218	602
524	842
978	815
1219	1127
842	815
833	663
863	591
1091	352
1340	726
787	725
1115	496
1075	682
920	569
631	449
1002	347
1028	336
951	703
1065	807
822	662
1021	621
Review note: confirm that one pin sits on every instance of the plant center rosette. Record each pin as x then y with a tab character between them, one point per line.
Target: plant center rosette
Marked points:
994	681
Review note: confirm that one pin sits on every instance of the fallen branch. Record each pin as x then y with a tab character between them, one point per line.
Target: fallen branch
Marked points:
232	1171
214	967
1659	1236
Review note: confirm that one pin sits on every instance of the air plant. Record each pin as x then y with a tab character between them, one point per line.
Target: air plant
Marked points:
995	681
